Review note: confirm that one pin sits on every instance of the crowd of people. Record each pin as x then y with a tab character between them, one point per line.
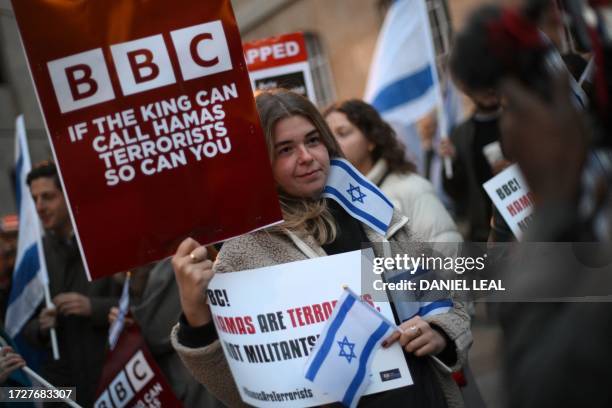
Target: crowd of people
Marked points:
549	348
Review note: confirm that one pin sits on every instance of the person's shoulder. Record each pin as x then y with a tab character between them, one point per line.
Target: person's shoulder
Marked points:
457	133
252	250
255	238
467	123
407	183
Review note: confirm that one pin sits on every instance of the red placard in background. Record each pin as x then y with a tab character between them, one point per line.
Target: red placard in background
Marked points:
275	51
131	378
153	125
280	62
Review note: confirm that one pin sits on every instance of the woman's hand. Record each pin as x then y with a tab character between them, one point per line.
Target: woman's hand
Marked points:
193	273
418	337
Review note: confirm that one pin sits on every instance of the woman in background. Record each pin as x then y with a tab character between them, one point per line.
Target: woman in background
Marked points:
371	145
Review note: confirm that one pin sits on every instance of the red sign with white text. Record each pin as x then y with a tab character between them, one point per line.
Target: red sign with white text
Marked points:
275	51
131	378
280	62
152	120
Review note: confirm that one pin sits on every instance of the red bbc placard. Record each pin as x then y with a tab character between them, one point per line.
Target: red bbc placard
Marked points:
153	124
131	378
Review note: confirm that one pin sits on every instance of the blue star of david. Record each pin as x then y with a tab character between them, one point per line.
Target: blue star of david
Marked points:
351	346
356	194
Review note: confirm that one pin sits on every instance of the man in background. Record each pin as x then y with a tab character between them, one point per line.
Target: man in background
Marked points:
80	307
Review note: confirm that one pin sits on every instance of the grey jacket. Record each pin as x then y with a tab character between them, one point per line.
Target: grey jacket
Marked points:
263	248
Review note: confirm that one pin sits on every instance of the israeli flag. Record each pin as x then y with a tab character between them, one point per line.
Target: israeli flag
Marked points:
124	304
358	196
339	364
406	310
30	274
406	306
403	80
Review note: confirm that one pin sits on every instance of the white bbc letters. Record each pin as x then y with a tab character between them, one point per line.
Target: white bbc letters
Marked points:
121	391
127	384
138	371
143	64
83	79
104	401
202	50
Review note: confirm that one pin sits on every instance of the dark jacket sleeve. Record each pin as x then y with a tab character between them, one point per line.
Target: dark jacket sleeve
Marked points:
31	331
455	187
100	306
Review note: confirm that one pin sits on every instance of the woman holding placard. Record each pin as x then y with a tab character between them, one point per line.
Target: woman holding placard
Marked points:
300	145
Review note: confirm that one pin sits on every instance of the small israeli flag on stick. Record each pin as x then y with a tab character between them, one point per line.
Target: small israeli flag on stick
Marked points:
339	364
124	304
358	196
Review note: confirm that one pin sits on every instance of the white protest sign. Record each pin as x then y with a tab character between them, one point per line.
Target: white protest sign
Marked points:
512	198
268	320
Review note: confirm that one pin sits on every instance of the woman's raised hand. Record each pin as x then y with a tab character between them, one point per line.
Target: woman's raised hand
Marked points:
193	272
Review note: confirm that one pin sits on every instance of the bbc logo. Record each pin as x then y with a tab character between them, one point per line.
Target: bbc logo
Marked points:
83	79
127	383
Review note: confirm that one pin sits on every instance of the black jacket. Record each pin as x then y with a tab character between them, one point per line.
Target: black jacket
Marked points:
81	340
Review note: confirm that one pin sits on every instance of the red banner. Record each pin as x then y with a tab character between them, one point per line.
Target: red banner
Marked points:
275	51
152	121
131	378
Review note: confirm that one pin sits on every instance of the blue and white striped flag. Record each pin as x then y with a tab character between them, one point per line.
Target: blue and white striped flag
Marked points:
30	274
358	196
339	364
124	304
403	81
407	309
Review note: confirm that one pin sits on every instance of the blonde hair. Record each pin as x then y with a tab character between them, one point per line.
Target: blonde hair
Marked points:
302	216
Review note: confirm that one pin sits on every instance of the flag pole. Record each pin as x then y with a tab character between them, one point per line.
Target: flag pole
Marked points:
114	331
442	120
448	165
48	385
52	331
45	282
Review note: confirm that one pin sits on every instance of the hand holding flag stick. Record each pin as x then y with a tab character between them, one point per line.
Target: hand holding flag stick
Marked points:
448	165
357	331
124	307
52	332
418	337
33	375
